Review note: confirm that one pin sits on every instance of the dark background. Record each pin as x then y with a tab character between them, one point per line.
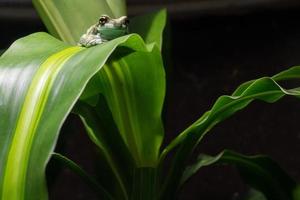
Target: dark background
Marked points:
215	46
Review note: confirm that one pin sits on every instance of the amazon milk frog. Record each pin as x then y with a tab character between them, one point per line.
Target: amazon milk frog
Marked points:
106	29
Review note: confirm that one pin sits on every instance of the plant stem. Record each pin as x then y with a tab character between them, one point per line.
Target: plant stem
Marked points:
144	184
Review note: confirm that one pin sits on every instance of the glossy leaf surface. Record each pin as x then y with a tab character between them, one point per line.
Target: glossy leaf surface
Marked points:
136	104
39	84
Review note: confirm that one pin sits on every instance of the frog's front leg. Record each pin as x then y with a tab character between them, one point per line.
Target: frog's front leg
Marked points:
88	40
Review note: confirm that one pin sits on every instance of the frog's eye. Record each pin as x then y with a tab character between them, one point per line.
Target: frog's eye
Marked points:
103	20
126	21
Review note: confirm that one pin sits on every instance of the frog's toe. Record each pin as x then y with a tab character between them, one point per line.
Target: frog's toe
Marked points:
95	42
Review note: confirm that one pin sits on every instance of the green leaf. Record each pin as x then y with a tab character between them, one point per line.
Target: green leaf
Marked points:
39	84
260	172
265	89
85	176
135	93
68	20
296	193
117	7
118	163
145	184
150	26
255	195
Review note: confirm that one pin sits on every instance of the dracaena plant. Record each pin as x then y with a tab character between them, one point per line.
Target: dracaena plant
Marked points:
117	89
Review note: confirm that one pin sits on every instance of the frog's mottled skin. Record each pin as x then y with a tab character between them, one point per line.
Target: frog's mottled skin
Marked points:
106	29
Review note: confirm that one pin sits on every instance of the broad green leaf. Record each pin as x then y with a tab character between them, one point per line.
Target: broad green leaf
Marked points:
117	7
136	104
39	84
150	27
265	89
260	172
69	19
134	92
15	127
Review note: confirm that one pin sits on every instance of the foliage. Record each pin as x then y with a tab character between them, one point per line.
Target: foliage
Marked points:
117	89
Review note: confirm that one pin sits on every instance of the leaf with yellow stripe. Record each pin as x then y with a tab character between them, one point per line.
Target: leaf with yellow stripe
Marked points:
41	79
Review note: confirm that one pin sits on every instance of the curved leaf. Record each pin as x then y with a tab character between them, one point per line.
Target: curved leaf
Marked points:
265	89
86	177
133	85
118	163
68	20
260	172
135	92
150	26
39	84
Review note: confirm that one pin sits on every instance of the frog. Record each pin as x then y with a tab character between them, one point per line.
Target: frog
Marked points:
104	30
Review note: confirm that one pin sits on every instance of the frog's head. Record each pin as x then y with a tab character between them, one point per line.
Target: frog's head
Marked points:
109	28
